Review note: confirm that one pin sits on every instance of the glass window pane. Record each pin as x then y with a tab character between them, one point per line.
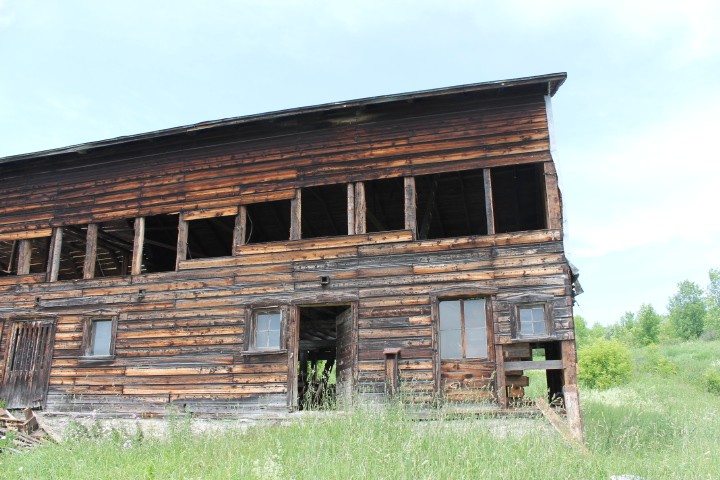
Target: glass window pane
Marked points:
476	342
450	315
532	320
450	344
261	339
474	313
274	339
101	336
267	329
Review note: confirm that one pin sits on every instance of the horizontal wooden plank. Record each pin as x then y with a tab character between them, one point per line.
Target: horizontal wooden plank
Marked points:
535	365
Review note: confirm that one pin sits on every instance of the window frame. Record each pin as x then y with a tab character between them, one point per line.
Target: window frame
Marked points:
251	330
530	302
464	296
88	330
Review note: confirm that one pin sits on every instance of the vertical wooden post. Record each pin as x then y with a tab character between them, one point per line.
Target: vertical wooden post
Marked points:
489	211
239	232
552	196
55	253
392	373
24	257
360	208
292	343
90	251
138	246
181	240
410	206
351	208
500	383
570	389
296	216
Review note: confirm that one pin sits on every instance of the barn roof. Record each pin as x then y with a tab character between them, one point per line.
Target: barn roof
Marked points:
545	84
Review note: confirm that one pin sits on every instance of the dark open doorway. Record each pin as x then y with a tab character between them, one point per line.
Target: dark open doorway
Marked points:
326	354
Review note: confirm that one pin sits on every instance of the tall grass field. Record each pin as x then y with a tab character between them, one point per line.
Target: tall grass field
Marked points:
663	424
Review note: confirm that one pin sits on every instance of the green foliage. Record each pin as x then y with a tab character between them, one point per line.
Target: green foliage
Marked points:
656	362
647	330
712	381
604	364
585	335
687	310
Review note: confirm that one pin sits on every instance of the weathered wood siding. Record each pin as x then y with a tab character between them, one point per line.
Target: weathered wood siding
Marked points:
238	167
182	341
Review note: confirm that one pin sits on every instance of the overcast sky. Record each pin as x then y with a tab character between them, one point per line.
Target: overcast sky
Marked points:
636	123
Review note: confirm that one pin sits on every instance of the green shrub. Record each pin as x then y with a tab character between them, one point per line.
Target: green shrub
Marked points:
604	364
658	363
712	381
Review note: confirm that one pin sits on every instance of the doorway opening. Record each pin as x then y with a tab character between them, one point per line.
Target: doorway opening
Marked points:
325	356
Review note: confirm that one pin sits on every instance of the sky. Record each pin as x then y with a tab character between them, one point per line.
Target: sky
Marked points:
635	125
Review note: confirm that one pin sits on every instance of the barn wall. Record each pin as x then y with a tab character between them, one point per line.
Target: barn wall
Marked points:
181	340
163	177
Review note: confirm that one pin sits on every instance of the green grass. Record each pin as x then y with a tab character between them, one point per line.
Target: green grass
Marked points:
658	426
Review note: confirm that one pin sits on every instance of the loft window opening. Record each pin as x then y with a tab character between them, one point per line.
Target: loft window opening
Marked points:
72	252
268	222
451	204
34	250
324	211
210	237
114	249
160	243
385	204
518	196
463	329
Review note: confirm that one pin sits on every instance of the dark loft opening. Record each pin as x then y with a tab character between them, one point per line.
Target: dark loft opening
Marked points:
8	257
210	237
268	222
114	248
324	211
72	252
10	249
518	198
451	204
160	243
325	357
385	201
39	257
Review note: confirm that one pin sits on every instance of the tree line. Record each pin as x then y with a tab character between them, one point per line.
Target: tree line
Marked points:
693	313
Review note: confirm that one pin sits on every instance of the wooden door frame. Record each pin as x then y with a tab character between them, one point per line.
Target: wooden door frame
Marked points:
293	344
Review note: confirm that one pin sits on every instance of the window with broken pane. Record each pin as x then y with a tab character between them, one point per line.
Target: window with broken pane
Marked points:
268	325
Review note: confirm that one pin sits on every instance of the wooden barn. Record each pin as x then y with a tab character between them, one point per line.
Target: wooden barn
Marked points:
406	244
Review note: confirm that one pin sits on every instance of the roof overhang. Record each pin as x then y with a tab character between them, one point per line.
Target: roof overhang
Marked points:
548	84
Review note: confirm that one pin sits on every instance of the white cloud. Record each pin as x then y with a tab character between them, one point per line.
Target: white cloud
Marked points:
654	185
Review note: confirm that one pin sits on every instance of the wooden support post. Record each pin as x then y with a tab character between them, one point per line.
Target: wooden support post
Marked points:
489	211
351	208
500	382
296	216
570	389
24	257
410	206
55	253
239	232
552	194
360	209
90	251
138	245
181	241
392	372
